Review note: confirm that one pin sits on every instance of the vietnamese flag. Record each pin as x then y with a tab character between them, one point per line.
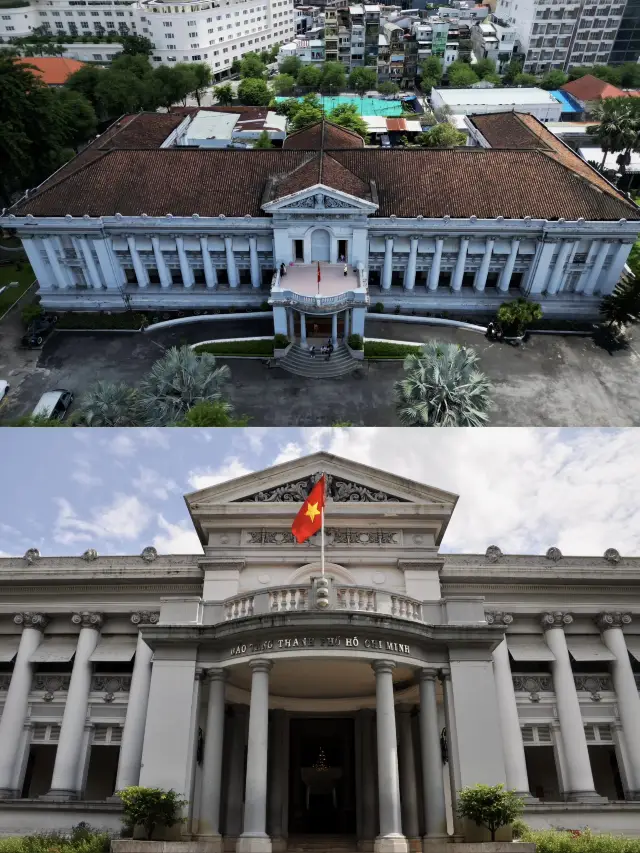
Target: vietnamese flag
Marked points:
319	276
309	520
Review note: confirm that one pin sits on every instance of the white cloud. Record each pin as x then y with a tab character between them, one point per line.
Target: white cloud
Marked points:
288	452
178	538
84	474
153	436
121	444
522	489
151	483
5	554
124	518
230	469
8	529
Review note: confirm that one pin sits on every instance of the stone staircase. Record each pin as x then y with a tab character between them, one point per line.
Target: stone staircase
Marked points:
298	361
322	844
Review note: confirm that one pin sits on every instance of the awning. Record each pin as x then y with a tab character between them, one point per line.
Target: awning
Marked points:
8	648
588	649
111	649
633	645
55	650
531	648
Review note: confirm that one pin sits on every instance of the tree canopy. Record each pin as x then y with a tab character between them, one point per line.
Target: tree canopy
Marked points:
224	94
253	92
347	115
443	135
333	78
284	84
483	67
251	66
309	77
363	80
461	74
290	65
134	45
554	79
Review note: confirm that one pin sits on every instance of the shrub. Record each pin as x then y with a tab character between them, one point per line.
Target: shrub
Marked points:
151	808
30	312
574	841
489	805
517	316
378	308
264	306
280	341
384	349
355	341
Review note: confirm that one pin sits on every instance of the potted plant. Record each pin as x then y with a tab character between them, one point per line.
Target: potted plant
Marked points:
491	807
515	317
281	346
147	810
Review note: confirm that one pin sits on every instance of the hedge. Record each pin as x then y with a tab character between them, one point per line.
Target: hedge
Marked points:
575	841
81	320
384	349
238	348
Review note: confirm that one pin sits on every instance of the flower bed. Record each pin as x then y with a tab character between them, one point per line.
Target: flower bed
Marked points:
249	348
575	841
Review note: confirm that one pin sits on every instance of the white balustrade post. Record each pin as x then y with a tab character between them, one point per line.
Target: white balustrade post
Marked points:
16	705
68	753
434	272
209	824
387	272
559	267
161	264
255	262
435	814
483	271
185	268
593	281
507	270
580	784
458	273
136	719
232	271
410	272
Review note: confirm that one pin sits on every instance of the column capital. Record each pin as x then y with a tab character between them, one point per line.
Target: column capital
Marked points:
557	619
388	237
216	674
199	674
145	617
260	665
428	674
497	617
612	619
444	673
379	666
88	619
29	619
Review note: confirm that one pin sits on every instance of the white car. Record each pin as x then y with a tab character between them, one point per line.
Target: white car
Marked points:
4	389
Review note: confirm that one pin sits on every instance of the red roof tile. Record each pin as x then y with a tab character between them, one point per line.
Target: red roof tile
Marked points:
590	88
325	135
52	70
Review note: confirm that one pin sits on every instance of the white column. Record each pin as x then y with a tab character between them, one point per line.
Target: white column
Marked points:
44	276
624	684
358	316
209	823
51	247
210	274
408	787
388	263
455	784
92	269
255	263
616	268
538	273
559	266
368	776
347	324
458	273
232	271
303	329
513	748
290	323
110	266
334	329
593	280
254	838
507	270
136	719
279	320
65	769
434	272
185	269
161	264
235	782
16	704
141	273
390	839
574	743
279	785
483	271
435	813
410	272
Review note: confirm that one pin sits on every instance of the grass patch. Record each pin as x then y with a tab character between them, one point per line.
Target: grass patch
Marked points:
81	320
264	348
23	274
384	349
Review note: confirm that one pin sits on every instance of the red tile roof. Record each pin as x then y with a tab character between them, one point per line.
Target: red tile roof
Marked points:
590	88
325	135
52	70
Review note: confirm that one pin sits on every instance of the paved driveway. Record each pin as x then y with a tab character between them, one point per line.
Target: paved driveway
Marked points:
550	381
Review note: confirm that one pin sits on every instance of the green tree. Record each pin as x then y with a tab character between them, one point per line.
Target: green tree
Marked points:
333	78
85	81
174	84
622	307
524	79
120	92
224	94
602	72
203	77
490	806
179	380
629	75
461	74
443	387
309	77
617	128
78	115
442	135
347	115
150	807
133	63
363	80
252	67
133	45
290	65
493	78
484	67
516	316
207	414
554	79
388	88
511	71
432	69
109	404
305	115
253	92
263	141
284	84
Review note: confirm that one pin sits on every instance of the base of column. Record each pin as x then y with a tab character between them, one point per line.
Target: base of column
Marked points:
213	842
366	844
584	797
254	843
391	844
60	795
9	794
415	843
433	843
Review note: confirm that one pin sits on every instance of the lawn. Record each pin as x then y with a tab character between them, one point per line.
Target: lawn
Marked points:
9	273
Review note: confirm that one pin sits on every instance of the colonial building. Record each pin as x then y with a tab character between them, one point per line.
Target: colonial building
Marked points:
286	705
137	219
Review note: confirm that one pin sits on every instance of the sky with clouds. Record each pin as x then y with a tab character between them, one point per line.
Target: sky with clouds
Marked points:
64	491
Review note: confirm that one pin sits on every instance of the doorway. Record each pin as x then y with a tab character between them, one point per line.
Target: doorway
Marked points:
321	245
322	797
343	251
318	327
298	250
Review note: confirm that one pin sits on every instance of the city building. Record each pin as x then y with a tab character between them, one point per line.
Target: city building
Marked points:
588	91
166	227
223	127
554	35
492	40
533	101
351	699
626	47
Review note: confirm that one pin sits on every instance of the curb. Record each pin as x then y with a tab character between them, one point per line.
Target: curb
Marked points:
204	318
13	304
427	321
101	331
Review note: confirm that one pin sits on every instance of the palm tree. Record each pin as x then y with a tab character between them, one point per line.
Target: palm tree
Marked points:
179	380
623	305
615	129
443	387
109	404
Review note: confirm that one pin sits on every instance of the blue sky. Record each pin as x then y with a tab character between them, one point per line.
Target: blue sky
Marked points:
67	490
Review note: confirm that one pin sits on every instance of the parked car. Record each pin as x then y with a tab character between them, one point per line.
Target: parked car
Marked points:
4	389
39	330
53	404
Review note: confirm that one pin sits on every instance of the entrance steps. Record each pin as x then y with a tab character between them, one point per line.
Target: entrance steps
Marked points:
322	844
298	361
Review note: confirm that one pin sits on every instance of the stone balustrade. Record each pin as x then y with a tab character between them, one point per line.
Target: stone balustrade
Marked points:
289	598
238	607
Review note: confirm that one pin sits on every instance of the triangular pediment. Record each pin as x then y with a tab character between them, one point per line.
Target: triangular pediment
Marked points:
320	199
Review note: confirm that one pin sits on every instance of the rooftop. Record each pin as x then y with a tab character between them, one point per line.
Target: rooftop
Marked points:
590	88
52	70
511	96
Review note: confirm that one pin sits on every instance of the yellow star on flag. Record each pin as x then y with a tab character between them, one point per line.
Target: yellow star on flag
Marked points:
312	511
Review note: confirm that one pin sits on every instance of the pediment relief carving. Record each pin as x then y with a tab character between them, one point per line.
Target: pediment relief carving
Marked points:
319	201
338	490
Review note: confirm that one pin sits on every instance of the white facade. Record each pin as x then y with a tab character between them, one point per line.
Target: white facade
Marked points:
493	41
414	672
536	102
